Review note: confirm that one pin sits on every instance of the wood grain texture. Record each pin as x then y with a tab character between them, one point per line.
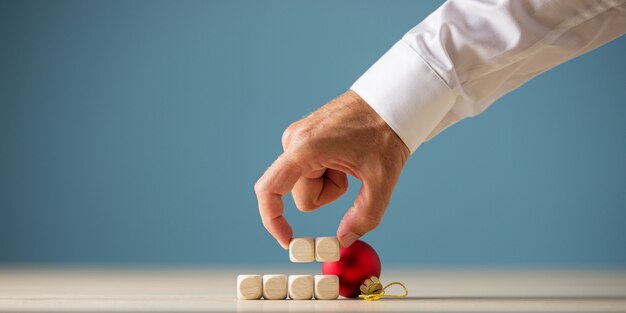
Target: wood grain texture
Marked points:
326	287
301	287
275	287
249	287
302	250
214	290
326	249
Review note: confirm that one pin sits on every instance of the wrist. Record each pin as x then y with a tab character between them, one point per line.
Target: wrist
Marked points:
406	93
388	137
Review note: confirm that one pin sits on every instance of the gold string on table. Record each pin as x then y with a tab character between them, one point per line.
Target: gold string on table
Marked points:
372	289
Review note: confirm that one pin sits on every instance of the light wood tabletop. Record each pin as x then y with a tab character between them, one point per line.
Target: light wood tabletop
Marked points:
214	290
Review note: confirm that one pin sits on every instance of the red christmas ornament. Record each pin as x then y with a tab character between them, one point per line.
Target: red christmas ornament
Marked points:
357	263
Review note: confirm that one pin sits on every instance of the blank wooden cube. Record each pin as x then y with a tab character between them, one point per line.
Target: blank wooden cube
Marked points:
326	249
326	287
300	287
249	287
302	250
275	287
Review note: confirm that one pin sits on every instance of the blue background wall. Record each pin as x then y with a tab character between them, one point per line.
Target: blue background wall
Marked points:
133	132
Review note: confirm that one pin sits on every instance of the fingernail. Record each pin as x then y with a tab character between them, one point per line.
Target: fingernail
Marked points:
285	246
348	239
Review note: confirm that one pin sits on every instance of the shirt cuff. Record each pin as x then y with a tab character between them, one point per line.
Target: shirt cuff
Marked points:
406	93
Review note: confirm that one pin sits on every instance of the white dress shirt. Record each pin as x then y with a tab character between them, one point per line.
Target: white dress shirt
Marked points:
468	53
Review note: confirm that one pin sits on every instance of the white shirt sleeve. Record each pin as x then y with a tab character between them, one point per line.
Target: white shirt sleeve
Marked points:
468	53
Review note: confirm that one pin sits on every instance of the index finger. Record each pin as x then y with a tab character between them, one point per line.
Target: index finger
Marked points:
277	181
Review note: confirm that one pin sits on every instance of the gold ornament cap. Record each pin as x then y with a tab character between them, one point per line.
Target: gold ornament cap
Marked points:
371	286
372	289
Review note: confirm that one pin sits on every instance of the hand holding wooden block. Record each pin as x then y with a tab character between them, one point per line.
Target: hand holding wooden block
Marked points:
326	249
249	287
275	287
300	287
302	250
326	287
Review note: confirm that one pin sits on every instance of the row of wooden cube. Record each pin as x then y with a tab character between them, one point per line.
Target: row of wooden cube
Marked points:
320	249
279	286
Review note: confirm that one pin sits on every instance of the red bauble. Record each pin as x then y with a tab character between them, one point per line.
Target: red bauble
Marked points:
358	263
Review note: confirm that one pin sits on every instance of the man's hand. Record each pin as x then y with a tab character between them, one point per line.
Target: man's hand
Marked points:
345	136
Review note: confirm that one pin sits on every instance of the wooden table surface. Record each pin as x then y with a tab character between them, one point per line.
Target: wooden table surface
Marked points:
213	290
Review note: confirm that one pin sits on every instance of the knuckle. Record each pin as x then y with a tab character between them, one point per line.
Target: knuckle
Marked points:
292	133
295	134
265	222
287	134
371	219
304	205
373	222
304	208
258	187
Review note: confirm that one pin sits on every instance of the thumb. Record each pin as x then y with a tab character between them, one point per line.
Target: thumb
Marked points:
365	214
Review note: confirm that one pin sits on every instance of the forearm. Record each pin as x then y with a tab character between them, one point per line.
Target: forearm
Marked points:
467	54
